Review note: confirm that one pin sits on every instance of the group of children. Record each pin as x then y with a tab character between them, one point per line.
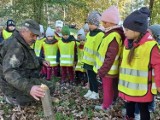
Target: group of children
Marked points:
126	58
63	52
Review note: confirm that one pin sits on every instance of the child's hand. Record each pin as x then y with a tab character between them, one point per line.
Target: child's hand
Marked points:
46	63
81	42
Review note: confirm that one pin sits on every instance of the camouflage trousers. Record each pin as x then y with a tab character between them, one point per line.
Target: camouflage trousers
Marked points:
22	98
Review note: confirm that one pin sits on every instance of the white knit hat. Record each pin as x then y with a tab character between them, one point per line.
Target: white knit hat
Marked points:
49	32
59	23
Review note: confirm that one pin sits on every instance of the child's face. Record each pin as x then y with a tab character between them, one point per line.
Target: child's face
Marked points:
86	31
11	27
79	36
65	36
91	26
58	29
106	24
130	34
50	37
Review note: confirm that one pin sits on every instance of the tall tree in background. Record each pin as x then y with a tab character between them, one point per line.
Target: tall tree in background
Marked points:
155	11
151	6
46	12
38	9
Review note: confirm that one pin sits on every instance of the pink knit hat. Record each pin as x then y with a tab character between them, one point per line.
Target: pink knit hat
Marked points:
111	15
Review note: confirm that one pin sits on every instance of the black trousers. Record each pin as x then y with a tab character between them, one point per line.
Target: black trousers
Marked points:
143	107
92	80
81	77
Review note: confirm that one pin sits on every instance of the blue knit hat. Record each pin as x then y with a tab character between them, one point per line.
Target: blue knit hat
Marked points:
11	23
137	21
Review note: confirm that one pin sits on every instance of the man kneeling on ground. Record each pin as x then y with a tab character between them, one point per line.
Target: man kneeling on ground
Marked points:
20	68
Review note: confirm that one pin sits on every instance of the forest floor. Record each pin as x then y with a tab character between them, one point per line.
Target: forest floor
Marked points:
68	104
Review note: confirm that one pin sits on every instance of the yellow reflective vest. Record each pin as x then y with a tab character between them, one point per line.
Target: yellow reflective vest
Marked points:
6	34
57	37
66	53
158	45
100	56
90	48
50	53
133	79
79	66
38	46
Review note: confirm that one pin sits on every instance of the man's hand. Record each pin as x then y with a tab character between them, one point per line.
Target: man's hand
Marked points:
37	92
46	63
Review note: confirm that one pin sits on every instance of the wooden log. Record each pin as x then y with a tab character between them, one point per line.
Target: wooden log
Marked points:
47	104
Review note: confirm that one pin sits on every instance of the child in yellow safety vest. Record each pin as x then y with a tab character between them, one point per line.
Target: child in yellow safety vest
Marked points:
139	78
8	32
93	40
38	44
49	52
58	29
79	70
58	36
67	49
108	56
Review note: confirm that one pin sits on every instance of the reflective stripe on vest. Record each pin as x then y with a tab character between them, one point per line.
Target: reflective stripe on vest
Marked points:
67	59
50	53
100	56
66	53
133	86
6	34
154	88
134	72
133	79
88	59
67	56
91	46
50	56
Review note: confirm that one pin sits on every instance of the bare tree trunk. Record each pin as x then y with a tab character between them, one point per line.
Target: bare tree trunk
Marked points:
151	8
38	6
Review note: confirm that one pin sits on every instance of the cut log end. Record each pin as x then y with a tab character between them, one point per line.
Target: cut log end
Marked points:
44	87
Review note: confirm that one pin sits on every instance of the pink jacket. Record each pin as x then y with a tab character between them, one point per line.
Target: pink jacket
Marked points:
154	63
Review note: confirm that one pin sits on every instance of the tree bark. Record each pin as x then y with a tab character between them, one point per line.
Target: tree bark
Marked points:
151	8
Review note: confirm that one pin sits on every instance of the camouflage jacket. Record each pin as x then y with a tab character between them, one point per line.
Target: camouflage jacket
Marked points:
20	66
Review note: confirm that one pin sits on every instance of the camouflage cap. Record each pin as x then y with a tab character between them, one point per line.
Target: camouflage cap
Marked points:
32	26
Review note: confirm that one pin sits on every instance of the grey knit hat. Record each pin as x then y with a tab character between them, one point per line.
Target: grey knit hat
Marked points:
94	18
82	34
155	29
